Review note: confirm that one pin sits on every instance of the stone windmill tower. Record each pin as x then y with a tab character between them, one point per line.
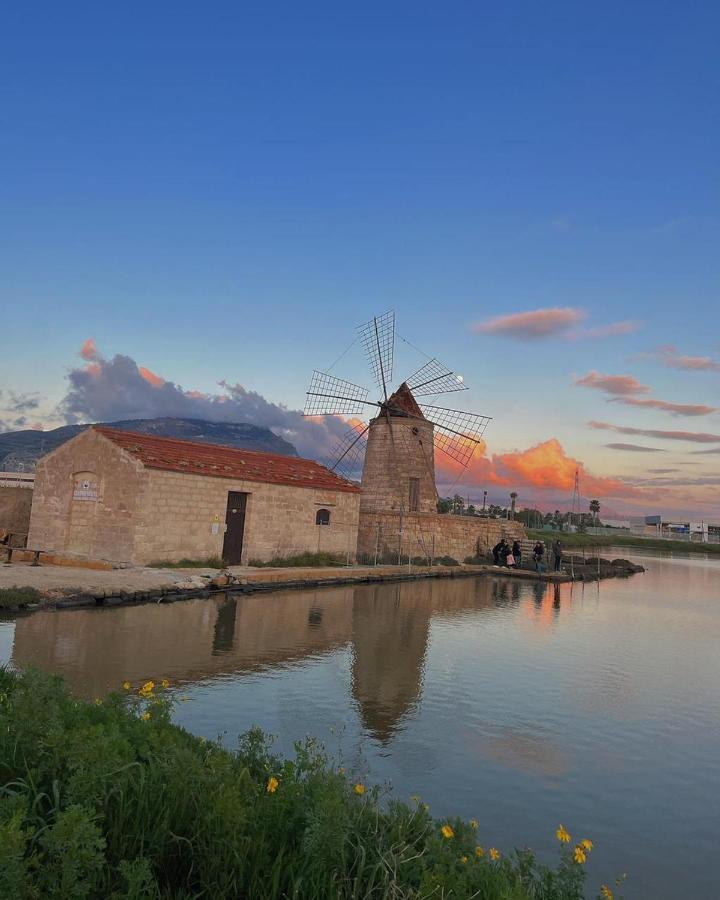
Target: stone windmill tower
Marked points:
394	453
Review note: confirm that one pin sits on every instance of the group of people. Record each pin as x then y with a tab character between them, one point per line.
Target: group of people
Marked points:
511	556
505	555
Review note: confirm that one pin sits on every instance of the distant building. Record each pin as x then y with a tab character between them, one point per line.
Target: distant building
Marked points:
17	479
657	527
134	498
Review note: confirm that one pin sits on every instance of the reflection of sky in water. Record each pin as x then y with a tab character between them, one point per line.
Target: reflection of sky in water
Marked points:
517	703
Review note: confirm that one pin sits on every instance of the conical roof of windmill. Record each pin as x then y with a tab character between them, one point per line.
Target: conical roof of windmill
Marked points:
402	403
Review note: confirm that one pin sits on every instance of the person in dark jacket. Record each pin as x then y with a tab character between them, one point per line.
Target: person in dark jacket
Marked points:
557	553
496	553
538	554
517	553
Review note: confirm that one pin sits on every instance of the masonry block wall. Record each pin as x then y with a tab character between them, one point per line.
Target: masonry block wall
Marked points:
179	512
85	500
397	452
423	534
15	503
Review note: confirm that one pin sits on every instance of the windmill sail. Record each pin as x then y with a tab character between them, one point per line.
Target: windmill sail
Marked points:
378	339
435	378
458	434
347	454
331	396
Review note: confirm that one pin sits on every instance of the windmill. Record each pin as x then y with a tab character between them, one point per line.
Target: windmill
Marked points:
396	446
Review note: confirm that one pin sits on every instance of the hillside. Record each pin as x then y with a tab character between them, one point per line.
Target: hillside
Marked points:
20	450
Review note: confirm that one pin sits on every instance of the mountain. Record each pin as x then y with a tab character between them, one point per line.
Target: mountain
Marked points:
20	450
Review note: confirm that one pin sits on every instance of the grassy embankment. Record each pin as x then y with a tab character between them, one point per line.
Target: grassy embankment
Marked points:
111	800
573	541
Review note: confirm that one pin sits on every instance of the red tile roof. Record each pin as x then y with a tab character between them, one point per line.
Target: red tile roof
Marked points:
196	458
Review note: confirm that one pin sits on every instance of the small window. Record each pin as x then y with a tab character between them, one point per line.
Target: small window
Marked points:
322	517
414	494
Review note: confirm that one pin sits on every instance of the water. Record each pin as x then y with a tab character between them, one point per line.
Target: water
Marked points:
520	704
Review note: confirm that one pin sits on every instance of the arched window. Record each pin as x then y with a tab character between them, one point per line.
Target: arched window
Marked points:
322	517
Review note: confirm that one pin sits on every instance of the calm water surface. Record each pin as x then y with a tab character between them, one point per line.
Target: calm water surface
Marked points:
520	704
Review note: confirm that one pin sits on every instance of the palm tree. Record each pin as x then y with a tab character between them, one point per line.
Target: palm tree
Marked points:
595	509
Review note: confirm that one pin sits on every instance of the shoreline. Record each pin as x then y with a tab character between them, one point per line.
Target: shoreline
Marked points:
595	541
92	588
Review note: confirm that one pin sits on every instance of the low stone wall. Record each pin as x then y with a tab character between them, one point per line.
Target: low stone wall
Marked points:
429	534
15	504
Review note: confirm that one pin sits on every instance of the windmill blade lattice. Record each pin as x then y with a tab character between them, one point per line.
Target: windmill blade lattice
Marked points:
331	396
347	454
435	378
378	339
458	434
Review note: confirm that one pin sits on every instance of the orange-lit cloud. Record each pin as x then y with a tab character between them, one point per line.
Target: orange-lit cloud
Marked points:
89	350
546	466
674	360
676	409
151	377
619	385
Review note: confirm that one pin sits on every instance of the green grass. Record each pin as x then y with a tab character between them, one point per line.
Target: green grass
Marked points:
301	560
210	562
622	540
18	596
98	802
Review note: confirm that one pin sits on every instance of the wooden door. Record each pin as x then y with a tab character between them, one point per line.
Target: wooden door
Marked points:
235	528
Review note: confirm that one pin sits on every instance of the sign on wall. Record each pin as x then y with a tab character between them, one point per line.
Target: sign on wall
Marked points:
85	490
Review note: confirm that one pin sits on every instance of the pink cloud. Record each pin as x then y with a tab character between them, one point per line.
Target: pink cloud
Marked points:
619	385
89	350
538	323
151	377
674	360
677	409
697	437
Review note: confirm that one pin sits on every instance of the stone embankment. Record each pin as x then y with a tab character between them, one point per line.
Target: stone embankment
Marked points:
66	588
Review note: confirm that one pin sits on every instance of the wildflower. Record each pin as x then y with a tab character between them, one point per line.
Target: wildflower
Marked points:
447	832
359	788
426	807
463	859
145	716
494	854
165	683
474	824
586	845
126	685
580	854
341	770
415	798
147	689
98	701
479	852
272	784
606	893
562	835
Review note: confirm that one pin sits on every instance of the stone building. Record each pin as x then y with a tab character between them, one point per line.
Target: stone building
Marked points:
136	499
398	509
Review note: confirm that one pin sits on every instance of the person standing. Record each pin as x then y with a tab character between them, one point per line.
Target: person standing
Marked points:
557	553
517	553
538	553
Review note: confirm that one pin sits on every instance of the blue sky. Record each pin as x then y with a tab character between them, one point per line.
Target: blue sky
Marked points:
225	191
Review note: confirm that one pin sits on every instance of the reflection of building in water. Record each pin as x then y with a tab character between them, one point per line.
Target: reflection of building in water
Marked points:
385	626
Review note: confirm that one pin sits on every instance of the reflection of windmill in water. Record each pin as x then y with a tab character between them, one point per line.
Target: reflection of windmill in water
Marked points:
395	449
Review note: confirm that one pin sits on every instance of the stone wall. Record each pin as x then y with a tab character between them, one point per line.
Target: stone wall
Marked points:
396	452
430	534
15	503
85	500
180	512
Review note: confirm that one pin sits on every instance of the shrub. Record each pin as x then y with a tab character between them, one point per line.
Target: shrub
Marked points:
301	560
210	562
18	596
111	800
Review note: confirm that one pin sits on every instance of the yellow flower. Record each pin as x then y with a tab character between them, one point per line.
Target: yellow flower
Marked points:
580	854
562	835
586	845
359	788
147	688
447	832
145	716
463	859
494	854
98	701
474	824
479	852
165	683
272	784
126	685
341	770
425	806
415	798
606	893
